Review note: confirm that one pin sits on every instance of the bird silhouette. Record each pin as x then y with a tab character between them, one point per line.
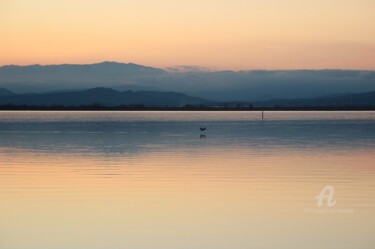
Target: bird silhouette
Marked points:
203	128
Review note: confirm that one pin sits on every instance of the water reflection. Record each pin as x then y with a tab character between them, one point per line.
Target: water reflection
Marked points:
117	137
140	182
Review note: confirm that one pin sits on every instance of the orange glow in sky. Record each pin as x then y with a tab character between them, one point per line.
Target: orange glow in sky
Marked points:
217	34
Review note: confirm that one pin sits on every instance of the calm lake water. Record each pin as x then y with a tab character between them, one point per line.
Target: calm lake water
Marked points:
152	180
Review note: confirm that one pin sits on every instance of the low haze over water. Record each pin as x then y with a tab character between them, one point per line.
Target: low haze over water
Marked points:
153	180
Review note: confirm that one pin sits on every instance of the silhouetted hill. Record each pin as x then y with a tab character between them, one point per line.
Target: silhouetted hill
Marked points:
244	86
104	96
5	92
352	100
37	78
103	69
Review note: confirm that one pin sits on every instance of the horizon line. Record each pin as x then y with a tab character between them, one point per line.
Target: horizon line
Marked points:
196	68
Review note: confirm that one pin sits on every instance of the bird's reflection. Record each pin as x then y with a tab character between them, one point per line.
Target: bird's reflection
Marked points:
203	136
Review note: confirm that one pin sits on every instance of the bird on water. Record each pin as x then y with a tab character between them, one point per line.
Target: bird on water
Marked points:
203	128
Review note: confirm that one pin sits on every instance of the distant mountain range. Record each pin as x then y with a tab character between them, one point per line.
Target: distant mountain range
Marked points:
102	96
222	86
37	78
345	100
112	98
5	92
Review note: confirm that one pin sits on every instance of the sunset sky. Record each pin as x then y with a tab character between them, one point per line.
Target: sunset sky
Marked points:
216	34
